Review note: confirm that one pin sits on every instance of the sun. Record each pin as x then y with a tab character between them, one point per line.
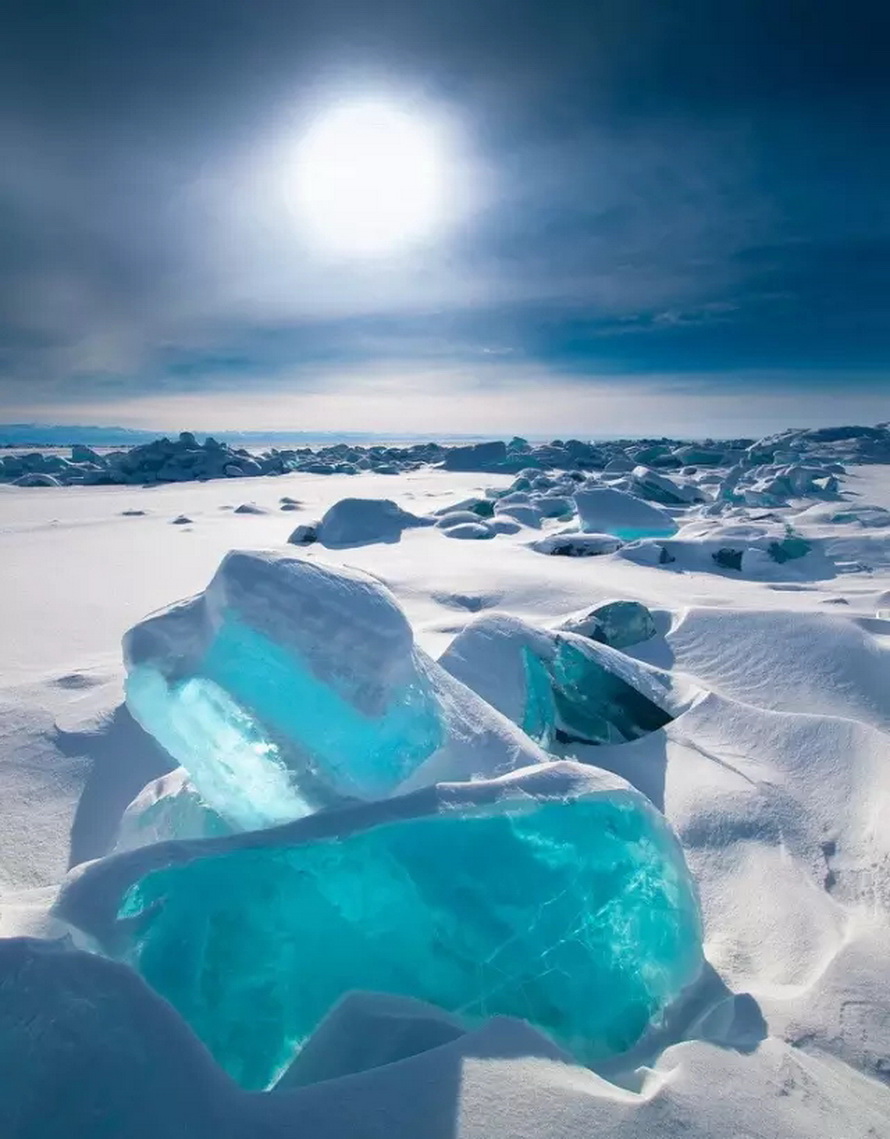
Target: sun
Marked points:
370	179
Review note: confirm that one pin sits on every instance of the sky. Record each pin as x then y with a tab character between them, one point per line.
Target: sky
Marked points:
658	216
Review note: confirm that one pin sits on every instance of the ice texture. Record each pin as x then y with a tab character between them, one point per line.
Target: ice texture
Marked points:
557	894
559	686
616	623
287	686
168	807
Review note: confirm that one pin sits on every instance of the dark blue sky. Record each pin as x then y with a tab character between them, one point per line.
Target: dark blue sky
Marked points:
684	218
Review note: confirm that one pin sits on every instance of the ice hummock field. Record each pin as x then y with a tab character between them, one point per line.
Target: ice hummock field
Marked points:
746	709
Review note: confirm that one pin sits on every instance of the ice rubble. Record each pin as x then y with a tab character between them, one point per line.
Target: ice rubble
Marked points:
288	685
557	894
184	458
558	686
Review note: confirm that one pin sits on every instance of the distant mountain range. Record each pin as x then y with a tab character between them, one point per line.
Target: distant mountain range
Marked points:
62	435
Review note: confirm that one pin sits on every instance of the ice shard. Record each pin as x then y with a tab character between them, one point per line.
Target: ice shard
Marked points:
556	894
288	685
560	686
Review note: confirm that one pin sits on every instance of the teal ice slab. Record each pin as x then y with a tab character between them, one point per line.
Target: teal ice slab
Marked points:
573	694
265	740
576	914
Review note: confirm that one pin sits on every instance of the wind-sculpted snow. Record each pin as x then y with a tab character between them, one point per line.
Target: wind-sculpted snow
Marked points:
559	686
557	894
288	685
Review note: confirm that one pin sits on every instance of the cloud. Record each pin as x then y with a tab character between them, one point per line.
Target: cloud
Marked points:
634	201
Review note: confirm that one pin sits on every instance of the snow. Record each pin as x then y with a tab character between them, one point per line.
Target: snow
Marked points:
774	778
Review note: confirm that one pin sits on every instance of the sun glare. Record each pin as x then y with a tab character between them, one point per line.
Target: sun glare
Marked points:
370	179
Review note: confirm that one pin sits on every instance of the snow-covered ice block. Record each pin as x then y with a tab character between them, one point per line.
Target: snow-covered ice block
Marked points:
610	511
469	530
558	685
557	894
456	518
615	623
287	685
571	544
168	808
660	488
359	521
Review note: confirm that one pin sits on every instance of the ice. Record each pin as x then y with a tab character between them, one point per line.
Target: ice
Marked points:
167	808
610	511
616	623
557	894
359	521
289	685
571	544
558	685
659	488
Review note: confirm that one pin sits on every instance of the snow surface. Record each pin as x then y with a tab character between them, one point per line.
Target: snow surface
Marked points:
776	780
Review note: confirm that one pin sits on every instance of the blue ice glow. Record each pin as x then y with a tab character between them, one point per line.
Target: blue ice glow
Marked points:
635	533
232	762
576	914
265	740
573	694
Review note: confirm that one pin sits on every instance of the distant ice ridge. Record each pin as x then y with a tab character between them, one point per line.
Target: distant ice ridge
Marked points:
288	685
643	461
556	894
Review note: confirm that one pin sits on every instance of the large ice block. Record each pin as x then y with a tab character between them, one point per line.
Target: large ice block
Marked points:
557	894
607	510
288	685
560	685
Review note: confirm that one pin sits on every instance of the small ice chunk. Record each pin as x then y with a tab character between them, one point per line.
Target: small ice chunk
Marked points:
574	545
305	534
455	518
616	623
660	488
168	808
469	530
